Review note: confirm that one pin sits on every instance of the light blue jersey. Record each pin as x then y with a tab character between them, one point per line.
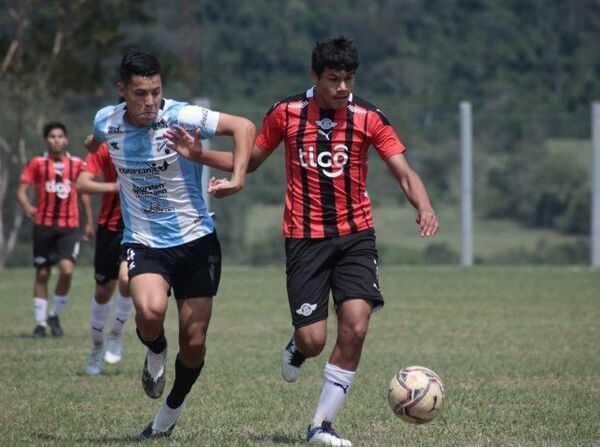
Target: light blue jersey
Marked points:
161	191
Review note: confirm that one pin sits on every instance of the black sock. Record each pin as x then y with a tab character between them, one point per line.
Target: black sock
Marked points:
184	379
158	345
297	358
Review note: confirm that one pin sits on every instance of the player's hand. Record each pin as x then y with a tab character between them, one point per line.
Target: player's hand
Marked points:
183	143
223	187
427	222
91	143
30	212
115	186
89	233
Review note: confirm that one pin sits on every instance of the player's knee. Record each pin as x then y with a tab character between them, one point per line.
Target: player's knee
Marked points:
124	284
192	346
66	269
354	332
42	275
310	344
103	293
149	315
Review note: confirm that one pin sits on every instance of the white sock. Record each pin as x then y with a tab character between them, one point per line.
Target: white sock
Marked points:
336	385
40	307
58	303
122	311
166	417
100	314
156	363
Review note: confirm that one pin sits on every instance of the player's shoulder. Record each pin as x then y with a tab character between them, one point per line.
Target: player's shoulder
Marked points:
359	104
37	159
108	112
74	158
283	103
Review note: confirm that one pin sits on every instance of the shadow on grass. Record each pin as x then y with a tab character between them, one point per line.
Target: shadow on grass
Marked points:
278	439
127	439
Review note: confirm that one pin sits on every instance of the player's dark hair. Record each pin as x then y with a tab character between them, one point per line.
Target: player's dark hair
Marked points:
49	127
136	62
338	53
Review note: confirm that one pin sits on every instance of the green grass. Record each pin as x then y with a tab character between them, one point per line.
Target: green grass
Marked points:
517	349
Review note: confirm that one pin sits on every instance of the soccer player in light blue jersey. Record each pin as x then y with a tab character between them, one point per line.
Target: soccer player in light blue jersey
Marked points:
169	236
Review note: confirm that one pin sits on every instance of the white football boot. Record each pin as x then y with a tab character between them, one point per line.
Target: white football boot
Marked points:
325	435
95	361
114	349
291	361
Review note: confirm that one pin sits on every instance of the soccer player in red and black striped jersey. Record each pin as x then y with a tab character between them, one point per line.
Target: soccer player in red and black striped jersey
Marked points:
330	241
109	263
55	215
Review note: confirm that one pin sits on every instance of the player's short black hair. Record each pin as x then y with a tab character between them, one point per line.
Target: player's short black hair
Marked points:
338	53
136	62
49	127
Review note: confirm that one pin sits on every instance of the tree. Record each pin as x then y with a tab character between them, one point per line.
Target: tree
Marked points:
49	48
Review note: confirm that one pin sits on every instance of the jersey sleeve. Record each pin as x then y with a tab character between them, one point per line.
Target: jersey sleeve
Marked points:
95	160
28	174
383	136
101	123
196	117
271	132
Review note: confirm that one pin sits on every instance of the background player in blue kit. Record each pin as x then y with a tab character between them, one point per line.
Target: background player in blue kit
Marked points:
169	237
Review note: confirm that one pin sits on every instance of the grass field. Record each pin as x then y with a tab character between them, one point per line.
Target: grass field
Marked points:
517	349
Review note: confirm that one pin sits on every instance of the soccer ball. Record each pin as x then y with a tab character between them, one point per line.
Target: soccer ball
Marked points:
416	395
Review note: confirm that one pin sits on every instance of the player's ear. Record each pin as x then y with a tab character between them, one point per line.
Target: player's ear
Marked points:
121	89
313	77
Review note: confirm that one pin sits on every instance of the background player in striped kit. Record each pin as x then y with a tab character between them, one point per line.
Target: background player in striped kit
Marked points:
56	223
330	240
109	262
169	236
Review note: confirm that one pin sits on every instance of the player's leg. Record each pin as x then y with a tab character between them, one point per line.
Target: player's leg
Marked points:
42	251
105	273
150	294
40	300
198	275
353	321
123	306
67	251
354	275
116	268
308	284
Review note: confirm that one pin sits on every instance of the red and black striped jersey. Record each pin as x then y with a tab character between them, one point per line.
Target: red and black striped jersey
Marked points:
326	162
56	195
97	163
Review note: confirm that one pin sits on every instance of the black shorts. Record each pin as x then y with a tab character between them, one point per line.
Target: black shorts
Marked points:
193	270
108	255
51	244
345	265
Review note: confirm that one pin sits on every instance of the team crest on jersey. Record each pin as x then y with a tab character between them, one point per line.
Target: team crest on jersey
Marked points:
306	309
162	124
114	130
326	127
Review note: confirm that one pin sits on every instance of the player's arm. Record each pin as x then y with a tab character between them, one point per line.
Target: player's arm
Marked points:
191	148
415	192
23	198
92	143
87	185
86	202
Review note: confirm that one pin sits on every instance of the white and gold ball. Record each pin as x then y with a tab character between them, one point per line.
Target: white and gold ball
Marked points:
416	395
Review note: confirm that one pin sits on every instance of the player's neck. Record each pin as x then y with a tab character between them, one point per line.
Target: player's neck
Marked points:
56	156
128	120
